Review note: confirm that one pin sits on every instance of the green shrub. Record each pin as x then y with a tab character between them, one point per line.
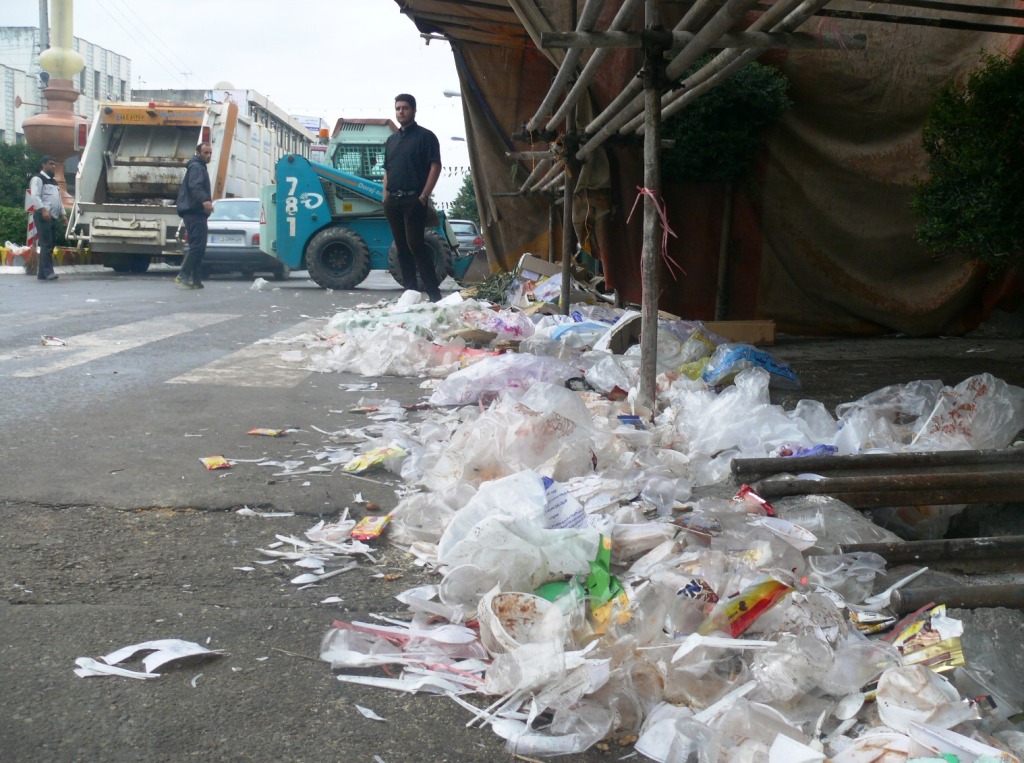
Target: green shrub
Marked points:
14	227
718	135
973	200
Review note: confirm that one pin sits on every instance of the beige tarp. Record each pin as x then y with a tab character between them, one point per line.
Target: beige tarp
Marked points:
821	240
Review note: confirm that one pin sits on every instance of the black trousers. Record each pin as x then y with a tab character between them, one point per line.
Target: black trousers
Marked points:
407	216
196	226
47	232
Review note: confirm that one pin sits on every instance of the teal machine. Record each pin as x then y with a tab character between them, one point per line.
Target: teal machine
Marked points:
329	219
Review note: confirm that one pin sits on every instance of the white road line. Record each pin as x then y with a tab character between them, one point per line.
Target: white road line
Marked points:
258	365
93	345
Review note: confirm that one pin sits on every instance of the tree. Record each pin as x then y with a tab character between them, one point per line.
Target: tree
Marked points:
464	207
17	164
717	136
973	200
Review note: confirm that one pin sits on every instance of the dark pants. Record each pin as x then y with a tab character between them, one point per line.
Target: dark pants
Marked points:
196	227
47	232
407	216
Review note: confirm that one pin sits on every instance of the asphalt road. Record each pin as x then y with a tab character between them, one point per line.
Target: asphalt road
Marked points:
113	532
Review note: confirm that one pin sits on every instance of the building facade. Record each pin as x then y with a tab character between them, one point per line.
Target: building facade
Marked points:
106	76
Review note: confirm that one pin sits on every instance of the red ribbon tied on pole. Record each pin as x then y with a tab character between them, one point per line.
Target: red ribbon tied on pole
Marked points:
666	229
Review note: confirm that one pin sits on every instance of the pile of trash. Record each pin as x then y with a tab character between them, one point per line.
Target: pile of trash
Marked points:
589	598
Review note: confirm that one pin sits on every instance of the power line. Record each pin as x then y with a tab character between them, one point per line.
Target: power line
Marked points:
135	34
129	11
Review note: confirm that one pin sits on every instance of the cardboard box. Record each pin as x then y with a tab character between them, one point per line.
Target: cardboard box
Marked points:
757	333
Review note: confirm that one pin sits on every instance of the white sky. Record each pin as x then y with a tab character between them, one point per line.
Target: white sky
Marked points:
329	59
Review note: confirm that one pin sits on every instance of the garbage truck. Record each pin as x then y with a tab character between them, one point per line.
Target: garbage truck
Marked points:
133	161
328	218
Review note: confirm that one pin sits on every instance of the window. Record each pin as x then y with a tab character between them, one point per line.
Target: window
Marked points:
110	86
95	84
124	91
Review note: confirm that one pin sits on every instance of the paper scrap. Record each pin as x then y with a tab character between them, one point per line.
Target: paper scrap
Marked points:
368	713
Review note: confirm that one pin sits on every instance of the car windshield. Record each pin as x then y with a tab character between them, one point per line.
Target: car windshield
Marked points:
245	210
464	229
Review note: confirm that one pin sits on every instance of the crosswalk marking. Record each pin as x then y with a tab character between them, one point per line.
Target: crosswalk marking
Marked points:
258	365
93	345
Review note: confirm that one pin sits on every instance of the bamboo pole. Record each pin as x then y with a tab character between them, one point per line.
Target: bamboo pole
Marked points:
623	17
739	40
624	106
591	12
569	194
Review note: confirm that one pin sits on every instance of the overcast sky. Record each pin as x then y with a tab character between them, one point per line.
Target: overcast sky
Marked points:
330	59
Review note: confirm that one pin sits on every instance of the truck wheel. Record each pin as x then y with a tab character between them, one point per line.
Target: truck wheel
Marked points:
281	273
338	258
439	251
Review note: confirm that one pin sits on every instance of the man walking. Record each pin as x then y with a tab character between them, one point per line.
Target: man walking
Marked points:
195	203
44	196
412	165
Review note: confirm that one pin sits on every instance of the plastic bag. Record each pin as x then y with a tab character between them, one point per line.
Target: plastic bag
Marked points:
483	380
980	412
729	359
502	528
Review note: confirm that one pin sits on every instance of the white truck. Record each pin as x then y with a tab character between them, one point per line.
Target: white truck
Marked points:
133	163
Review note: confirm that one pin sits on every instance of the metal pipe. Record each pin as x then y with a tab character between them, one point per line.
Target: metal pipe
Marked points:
943	550
747	469
591	12
906	600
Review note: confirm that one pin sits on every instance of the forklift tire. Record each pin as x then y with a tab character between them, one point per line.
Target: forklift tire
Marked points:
338	258
439	251
281	273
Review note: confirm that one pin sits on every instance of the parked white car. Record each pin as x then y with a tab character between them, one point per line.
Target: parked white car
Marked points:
233	243
468	234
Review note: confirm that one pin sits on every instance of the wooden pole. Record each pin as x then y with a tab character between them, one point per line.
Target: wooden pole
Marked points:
569	193
721	302
652	79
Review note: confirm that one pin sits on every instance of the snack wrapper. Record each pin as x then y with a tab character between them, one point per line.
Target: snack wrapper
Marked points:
215	462
267	432
369	528
737	614
372	458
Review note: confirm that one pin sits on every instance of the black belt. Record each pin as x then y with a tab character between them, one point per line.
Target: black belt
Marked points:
403	193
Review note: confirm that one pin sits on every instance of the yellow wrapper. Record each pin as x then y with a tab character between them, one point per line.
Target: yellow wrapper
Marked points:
215	462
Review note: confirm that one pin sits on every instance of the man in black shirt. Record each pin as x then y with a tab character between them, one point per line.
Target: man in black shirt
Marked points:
412	165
